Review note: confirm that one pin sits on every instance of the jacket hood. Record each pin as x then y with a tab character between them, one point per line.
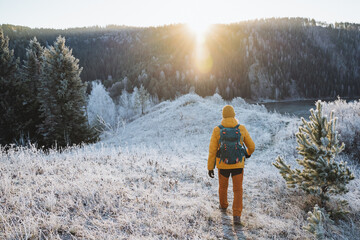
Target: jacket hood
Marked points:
229	122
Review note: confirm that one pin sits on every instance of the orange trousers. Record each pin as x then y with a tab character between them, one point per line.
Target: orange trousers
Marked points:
237	179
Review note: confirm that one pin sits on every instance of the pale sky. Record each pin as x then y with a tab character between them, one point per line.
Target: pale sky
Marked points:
80	13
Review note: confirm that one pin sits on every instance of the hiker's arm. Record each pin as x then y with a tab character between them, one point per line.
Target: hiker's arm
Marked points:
213	147
250	145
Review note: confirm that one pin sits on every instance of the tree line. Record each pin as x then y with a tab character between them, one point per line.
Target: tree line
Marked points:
260	59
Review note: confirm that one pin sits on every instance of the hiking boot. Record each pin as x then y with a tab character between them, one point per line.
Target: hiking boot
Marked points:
222	209
237	220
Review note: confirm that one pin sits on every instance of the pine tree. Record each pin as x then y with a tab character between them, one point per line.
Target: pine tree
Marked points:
30	78
10	102
8	64
318	143
62	98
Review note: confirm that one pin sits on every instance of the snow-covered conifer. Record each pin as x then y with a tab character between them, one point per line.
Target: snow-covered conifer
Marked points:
322	174
30	79
100	105
8	64
143	77
10	101
32	63
62	98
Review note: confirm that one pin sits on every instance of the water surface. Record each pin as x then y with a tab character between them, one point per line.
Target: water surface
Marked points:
299	108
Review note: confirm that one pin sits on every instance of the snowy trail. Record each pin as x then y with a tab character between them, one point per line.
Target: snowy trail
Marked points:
231	231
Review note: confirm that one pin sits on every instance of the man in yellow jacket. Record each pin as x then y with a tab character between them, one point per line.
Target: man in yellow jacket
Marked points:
236	170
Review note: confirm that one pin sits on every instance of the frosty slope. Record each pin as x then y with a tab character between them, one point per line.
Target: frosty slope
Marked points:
150	181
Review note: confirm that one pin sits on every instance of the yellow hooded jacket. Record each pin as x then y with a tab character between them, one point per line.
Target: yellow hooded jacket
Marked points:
215	145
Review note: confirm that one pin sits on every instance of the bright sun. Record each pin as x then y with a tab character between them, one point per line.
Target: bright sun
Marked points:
199	29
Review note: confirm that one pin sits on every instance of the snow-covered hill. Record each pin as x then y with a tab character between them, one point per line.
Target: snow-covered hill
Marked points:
185	126
150	182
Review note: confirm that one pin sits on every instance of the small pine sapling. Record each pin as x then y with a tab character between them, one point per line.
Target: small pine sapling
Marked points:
318	143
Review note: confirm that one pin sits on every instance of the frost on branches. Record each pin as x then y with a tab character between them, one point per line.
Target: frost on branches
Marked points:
30	74
10	104
100	105
318	222
318	143
142	98
62	98
348	124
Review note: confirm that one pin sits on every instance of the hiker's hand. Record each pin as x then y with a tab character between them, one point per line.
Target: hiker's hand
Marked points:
211	173
247	156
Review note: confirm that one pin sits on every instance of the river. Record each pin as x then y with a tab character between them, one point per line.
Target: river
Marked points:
300	108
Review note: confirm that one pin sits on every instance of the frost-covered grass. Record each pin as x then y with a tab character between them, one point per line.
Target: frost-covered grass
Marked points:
102	193
151	182
348	125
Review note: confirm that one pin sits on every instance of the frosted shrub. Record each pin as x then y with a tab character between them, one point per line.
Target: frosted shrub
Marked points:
190	98
125	108
135	103
240	102
348	123
216	98
100	106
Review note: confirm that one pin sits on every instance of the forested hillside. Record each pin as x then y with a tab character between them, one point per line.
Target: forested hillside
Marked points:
260	59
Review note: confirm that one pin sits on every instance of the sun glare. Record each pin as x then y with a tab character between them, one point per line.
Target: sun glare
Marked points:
203	60
199	29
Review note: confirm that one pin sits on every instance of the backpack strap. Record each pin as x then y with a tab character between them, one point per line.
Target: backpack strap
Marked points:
240	137
221	127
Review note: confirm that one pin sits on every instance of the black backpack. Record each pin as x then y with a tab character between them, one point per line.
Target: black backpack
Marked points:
230	151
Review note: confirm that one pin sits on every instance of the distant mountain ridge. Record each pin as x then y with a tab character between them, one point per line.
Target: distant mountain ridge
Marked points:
261	59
